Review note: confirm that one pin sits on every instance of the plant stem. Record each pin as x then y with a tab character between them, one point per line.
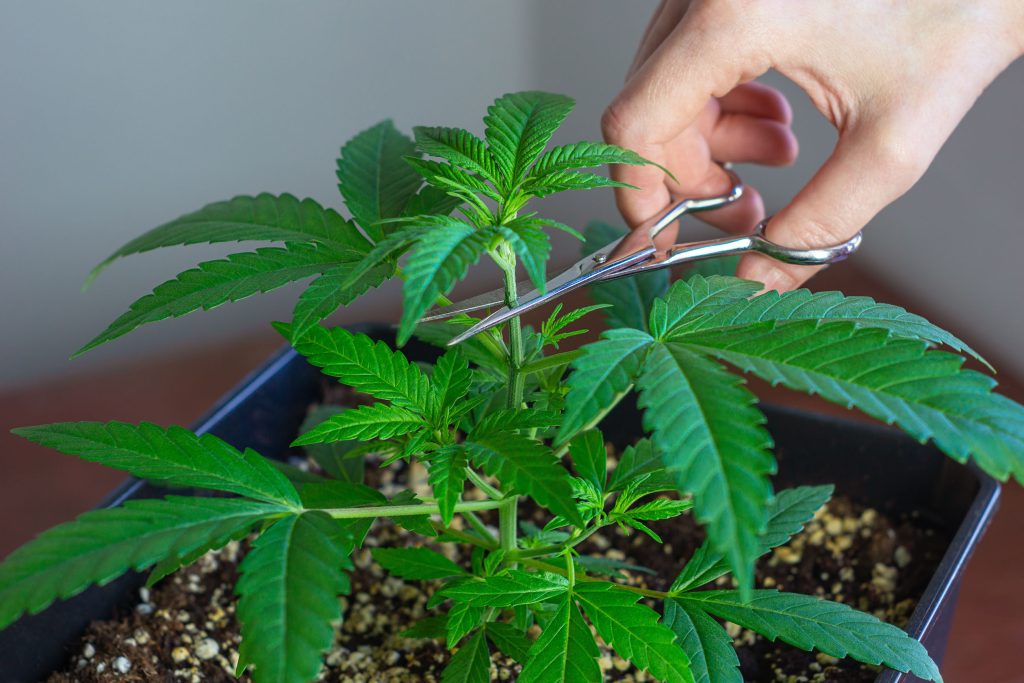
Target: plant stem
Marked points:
479	525
409	510
508	512
481	484
464	537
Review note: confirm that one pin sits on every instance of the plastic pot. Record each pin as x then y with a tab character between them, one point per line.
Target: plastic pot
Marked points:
874	465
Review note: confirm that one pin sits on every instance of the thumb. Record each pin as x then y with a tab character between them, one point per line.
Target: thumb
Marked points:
869	169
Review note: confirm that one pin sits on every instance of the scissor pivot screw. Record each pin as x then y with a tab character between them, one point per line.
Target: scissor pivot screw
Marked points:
600	258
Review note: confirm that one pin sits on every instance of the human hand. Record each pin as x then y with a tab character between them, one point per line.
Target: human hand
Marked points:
894	78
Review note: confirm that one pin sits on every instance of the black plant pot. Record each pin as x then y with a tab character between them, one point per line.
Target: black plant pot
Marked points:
876	466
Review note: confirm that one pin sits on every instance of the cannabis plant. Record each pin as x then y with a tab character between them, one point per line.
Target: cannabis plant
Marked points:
507	417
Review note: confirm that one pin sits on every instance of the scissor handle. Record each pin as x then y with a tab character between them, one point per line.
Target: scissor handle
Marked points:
695	251
685	206
804	257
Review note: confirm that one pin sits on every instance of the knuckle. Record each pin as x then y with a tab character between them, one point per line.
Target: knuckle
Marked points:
898	155
617	123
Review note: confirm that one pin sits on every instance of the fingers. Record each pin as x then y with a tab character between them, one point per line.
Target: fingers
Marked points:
759	100
745	139
869	169
663	98
662	22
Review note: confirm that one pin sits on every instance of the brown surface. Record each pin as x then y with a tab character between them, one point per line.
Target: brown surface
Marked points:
39	488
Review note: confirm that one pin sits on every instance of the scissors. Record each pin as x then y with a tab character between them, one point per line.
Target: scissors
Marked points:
636	253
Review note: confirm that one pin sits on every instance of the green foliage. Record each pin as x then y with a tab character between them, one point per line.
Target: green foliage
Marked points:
265	217
565	651
471	664
172	456
214	283
787	514
634	631
443	257
807	622
709	432
448	478
366	366
510	413
706	643
101	545
528	466
373	177
512	588
519	126
365	423
289	585
416	563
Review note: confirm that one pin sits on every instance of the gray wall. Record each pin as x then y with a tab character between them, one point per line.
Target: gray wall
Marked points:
119	115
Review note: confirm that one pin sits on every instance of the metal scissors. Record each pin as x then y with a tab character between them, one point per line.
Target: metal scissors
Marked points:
636	253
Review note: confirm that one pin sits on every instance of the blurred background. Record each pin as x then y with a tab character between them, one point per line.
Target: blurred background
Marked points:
118	116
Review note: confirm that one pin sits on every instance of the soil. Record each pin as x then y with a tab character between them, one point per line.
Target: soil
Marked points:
184	630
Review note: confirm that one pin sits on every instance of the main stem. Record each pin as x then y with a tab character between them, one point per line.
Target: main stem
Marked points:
507	523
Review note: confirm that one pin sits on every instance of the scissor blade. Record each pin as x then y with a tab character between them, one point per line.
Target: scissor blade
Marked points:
585	271
495	297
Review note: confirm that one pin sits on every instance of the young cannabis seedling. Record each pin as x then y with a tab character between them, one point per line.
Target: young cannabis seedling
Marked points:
508	416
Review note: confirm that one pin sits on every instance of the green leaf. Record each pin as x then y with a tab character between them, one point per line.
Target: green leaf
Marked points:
369	367
640	459
416	563
450	380
807	622
528	466
506	420
660	508
172	456
584	155
340	459
265	217
463	619
862	311
560	181
509	640
511	588
214	283
340	494
329	292
590	458
787	514
101	545
289	587
374	178
432	201
519	126
629	299
634	631
925	393
565	652
706	642
605	372
448	478
709	431
442	257
532	246
430	627
365	423
695	299
173	563
452	179
471	664
458	146
387	251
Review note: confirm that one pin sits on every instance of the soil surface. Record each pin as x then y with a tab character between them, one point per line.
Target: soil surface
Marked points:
184	630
